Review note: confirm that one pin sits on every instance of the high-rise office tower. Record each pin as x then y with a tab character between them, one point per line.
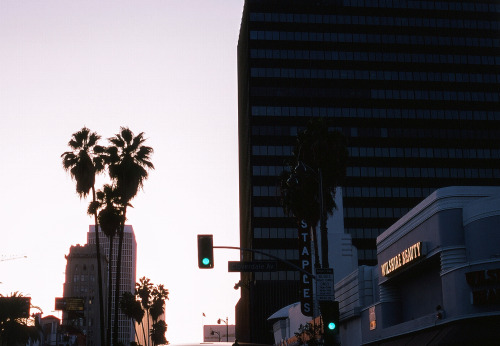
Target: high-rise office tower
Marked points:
81	282
412	84
126	332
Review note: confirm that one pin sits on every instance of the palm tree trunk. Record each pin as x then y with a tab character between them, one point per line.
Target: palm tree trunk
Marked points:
144	334
315	242
118	277
322	223
135	331
110	292
147	314
99	273
324	242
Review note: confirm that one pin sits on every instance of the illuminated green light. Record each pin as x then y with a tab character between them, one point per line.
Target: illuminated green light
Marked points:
205	261
331	326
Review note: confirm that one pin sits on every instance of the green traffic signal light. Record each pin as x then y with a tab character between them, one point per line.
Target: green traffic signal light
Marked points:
205	251
330	316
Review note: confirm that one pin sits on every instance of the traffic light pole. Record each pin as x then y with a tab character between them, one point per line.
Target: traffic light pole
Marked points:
270	256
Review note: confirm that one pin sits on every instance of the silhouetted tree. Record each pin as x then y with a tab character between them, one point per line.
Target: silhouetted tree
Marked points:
110	220
15	328
317	168
150	300
83	162
132	309
129	161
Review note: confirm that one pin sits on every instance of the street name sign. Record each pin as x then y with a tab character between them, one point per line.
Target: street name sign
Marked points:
257	266
324	284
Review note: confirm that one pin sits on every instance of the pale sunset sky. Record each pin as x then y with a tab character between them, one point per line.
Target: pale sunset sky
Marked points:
163	67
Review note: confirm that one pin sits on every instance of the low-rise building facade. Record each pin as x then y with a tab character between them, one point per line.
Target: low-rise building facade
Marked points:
437	281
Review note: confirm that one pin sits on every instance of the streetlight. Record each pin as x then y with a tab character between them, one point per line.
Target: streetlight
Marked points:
212	332
227	326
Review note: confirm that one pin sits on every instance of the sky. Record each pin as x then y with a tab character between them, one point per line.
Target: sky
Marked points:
163	67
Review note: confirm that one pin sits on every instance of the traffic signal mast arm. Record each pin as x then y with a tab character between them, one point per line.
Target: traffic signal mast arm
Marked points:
270	256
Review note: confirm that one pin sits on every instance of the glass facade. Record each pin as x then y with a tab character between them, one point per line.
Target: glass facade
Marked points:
413	85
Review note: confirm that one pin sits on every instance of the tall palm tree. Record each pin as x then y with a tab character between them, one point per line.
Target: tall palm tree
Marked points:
129	161
83	162
143	290
298	199
319	159
110	220
152	301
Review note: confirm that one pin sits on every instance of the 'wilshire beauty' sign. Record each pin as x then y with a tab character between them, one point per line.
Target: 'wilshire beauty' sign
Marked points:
401	259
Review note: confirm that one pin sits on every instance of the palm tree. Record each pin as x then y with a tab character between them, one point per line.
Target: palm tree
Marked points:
143	290
132	309
160	294
83	162
152	300
298	199
158	333
129	161
318	167
110	220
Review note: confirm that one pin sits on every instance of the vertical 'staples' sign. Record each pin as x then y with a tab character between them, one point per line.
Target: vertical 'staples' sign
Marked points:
306	288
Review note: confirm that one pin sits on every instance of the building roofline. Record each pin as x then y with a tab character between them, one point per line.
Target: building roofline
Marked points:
452	197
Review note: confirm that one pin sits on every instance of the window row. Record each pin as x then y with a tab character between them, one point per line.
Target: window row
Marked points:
453	153
377	113
423	172
286	254
82	289
391	213
347	37
375	75
280	275
413	22
417	58
439	153
272	150
267	171
84	267
83	277
265	191
426	5
268	212
364	233
367	255
435	95
274	130
420	133
374	94
381	192
275	233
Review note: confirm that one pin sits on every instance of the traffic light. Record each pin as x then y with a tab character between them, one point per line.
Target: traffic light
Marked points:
331	316
205	251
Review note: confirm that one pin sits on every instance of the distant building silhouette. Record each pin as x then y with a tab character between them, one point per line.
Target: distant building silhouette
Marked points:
126	332
81	282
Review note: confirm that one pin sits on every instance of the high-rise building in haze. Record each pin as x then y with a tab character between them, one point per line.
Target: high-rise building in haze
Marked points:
81	282
412	84
126	332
